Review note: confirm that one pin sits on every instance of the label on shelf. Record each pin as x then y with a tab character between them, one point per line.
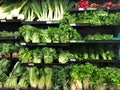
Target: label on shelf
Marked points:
48	22
42	44
72	60
31	64
73	24
73	41
23	44
81	9
89	8
3	21
56	21
81	41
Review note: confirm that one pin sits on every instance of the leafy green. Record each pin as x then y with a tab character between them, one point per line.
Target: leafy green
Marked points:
49	54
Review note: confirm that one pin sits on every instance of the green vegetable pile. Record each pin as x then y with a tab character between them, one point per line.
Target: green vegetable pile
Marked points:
99	51
9	34
44	55
50	55
98	36
14	78
72	77
37	55
95	18
63	34
42	10
4	66
23	77
6	49
89	76
61	77
40	78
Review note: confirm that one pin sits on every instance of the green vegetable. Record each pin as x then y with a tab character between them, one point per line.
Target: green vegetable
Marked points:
34	76
37	56
49	54
24	80
48	78
64	56
42	80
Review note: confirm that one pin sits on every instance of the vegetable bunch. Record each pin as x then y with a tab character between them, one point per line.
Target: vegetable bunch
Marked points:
10	10
40	78
51	34
95	18
4	66
89	76
46	55
12	80
94	53
8	50
80	76
87	3
98	36
61	77
47	10
37	55
9	34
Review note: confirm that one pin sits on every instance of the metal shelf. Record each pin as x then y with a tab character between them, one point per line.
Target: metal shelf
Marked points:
75	9
9	38
71	43
44	44
40	22
90	25
12	59
10	21
72	61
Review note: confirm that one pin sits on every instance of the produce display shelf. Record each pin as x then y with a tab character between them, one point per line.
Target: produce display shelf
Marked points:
44	44
10	21
43	64
90	25
72	61
113	8
9	38
12	59
97	41
95	61
40	22
70	43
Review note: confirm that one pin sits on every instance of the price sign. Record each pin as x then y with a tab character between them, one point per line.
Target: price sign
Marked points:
31	64
73	24
23	44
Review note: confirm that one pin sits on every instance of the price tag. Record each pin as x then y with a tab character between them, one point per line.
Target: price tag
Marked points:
3	20
48	22
23	44
42	44
81	41
81	9
31	64
72	60
73	41
73	24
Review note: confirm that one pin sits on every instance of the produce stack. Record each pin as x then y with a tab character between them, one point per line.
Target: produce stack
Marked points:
62	54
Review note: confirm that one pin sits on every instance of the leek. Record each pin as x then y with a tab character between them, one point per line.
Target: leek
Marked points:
48	82
41	82
34	73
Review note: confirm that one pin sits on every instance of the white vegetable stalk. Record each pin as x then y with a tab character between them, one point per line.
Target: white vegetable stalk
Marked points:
3	16
21	17
9	17
15	12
